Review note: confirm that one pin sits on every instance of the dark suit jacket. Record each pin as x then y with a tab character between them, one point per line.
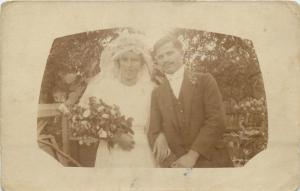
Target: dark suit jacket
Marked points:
204	120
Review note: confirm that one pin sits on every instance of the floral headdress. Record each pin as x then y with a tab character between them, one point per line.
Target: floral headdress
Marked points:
123	43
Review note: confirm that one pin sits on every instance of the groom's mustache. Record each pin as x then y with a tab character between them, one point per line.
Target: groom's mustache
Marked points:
167	63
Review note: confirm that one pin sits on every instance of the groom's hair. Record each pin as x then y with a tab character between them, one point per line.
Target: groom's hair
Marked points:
166	39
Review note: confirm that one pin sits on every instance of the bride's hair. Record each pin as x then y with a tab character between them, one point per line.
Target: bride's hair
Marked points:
116	61
109	61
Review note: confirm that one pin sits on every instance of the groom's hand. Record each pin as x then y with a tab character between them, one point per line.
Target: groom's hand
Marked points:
186	161
125	141
161	149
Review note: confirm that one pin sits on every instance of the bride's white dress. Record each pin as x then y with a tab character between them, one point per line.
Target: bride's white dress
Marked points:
134	101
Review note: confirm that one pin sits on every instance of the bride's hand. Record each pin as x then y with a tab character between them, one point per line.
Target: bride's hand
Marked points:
125	141
161	148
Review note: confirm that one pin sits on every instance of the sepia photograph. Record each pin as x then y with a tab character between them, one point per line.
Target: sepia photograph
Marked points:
170	98
150	96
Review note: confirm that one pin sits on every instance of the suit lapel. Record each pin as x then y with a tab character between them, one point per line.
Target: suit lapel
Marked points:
167	97
186	94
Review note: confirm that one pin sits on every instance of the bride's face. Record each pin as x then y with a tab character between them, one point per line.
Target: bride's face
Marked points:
130	64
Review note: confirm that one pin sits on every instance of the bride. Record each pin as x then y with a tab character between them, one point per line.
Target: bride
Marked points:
125	81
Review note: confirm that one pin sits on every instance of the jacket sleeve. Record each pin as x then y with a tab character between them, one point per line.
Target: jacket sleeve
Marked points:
155	124
214	118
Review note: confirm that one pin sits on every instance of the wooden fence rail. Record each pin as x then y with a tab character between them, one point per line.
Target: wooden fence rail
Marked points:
51	110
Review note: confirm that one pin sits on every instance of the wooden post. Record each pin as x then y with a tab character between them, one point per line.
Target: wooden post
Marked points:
65	134
50	110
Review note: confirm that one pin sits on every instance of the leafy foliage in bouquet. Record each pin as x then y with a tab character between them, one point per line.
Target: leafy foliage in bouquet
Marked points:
98	121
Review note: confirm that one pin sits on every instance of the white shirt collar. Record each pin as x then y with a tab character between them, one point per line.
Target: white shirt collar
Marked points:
175	81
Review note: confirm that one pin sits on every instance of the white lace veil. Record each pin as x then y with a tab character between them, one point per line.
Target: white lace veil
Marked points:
124	43
109	65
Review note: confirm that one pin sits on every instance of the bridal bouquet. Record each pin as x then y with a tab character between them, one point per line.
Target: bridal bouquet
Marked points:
98	121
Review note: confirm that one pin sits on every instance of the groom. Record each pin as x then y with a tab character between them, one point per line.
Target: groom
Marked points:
187	118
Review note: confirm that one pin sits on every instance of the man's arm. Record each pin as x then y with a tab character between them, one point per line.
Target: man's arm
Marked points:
214	123
213	127
155	120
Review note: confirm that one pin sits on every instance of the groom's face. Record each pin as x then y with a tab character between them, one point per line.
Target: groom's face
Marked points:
169	58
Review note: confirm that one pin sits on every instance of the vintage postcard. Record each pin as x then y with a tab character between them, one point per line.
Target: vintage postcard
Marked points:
150	96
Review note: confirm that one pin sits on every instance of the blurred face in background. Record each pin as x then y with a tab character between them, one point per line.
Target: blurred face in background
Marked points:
169	58
130	64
